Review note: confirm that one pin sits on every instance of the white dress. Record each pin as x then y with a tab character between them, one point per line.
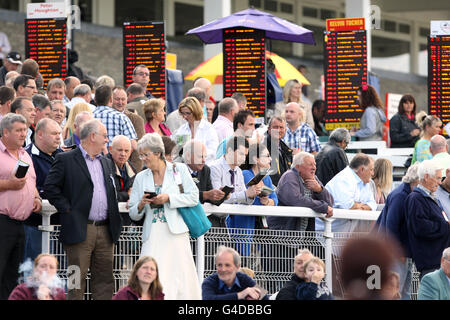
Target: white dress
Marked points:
172	252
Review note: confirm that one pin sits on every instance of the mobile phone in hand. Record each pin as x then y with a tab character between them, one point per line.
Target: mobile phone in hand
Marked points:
150	194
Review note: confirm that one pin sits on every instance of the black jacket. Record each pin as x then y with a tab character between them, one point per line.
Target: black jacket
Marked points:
70	189
288	292
330	161
400	128
284	158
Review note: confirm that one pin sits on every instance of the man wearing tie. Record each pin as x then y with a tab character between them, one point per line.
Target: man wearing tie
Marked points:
80	185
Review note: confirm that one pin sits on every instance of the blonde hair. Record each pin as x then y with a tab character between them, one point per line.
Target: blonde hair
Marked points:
248	272
194	105
76	109
287	91
315	260
152	106
383	175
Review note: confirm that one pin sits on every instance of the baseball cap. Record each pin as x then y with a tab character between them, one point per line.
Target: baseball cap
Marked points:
14	57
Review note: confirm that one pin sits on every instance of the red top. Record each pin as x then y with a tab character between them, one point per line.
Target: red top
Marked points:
127	294
162	126
22	292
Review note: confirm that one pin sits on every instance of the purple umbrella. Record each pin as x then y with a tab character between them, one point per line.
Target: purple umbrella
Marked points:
276	28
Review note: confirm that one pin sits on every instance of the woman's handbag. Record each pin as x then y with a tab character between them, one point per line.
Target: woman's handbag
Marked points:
194	217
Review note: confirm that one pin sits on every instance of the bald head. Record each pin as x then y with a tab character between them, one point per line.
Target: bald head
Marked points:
205	84
438	144
80	119
120	150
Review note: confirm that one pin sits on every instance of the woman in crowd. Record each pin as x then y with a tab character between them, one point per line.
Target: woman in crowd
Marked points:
169	146
156	195
69	128
403	130
292	92
43	284
430	125
196	127
143	283
155	116
382	179
373	118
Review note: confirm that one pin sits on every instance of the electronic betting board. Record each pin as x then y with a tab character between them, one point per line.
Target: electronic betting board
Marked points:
439	77
144	43
244	67
345	69
45	42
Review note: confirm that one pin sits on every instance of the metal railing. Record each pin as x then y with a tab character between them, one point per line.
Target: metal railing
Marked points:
269	253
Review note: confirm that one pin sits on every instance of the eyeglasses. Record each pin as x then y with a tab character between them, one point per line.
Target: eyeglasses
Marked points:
143	74
185	113
31	87
144	156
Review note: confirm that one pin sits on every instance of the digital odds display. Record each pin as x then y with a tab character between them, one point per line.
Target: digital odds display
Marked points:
144	43
244	61
439	77
345	69
45	42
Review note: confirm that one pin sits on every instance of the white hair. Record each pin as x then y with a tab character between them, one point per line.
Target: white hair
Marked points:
299	158
429	167
192	147
446	253
412	173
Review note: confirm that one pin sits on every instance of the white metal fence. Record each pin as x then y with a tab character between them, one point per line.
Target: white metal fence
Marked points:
269	253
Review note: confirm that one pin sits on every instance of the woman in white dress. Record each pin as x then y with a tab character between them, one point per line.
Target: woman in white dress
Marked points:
196	128
165	236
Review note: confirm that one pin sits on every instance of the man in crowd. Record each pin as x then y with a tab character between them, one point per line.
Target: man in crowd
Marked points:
58	111
12	61
300	187
243	126
225	171
136	99
10	78
299	135
71	83
119	103
18	199
194	156
90	220
332	158
241	100
141	76
25	107
392	222
43	108
205	84
116	123
81	94
319	109
439	150
289	290
80	119
351	190
25	86
228	107
427	224
443	193
436	285
279	151
7	95
55	89
227	283
43	151
124	173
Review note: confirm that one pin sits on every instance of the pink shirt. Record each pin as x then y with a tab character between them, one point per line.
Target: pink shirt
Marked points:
17	204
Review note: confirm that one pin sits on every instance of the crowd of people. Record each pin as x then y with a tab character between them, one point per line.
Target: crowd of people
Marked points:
89	145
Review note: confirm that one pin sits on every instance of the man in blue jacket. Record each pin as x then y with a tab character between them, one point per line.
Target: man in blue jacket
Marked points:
227	283
427	224
392	222
436	285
